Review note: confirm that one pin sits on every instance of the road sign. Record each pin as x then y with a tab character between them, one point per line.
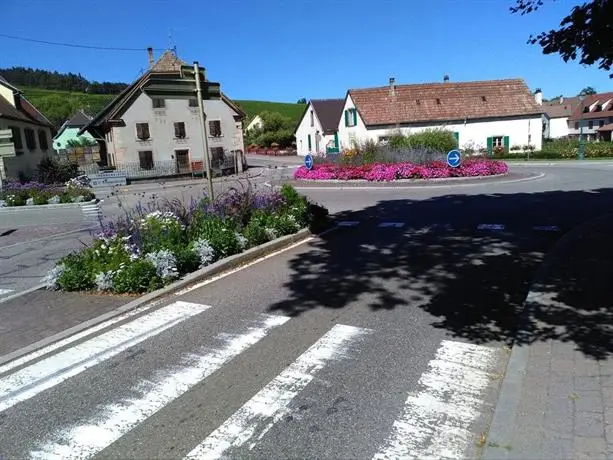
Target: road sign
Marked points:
109	179
454	158
308	161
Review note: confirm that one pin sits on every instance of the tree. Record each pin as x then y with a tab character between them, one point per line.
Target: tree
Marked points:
275	129
588	91
301	101
586	32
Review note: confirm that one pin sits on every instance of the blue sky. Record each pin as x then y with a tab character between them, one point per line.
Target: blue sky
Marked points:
282	50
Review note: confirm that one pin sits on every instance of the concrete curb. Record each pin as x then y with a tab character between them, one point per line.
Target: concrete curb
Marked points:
503	421
157	297
46	207
400	181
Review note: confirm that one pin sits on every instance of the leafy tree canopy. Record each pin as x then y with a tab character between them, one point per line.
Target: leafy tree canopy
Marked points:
302	101
588	91
585	33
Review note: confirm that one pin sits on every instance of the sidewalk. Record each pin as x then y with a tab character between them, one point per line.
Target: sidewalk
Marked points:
556	400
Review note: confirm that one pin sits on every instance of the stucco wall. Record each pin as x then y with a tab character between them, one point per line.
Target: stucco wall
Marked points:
303	131
558	127
26	163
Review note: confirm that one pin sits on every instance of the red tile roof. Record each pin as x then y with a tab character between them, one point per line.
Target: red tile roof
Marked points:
601	98
555	109
445	101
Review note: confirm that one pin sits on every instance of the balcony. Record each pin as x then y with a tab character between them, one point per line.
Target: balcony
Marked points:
7	148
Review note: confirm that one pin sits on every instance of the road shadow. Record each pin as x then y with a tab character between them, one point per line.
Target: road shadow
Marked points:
473	283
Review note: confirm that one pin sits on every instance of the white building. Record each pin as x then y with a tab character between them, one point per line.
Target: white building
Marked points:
558	113
28	134
257	122
481	114
317	131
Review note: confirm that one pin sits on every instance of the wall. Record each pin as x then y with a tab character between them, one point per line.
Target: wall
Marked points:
558	127
7	94
590	134
27	162
358	132
69	134
303	131
123	145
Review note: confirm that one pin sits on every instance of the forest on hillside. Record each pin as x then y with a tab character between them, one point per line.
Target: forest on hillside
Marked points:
44	79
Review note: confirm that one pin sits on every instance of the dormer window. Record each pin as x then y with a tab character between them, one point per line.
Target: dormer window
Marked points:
417	101
598	108
483	99
158	103
586	109
438	101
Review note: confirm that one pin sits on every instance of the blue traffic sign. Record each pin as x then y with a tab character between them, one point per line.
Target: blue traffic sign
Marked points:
454	158
308	161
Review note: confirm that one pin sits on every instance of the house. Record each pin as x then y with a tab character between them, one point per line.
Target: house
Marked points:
153	129
24	132
69	131
317	131
257	122
481	114
558	112
595	115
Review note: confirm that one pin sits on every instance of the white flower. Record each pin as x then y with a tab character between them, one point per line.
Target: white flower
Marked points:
50	279
242	240
271	233
104	280
165	264
53	200
293	222
205	252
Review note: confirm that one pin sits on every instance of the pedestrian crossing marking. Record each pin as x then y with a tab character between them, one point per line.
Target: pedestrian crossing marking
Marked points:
490	227
391	224
348	223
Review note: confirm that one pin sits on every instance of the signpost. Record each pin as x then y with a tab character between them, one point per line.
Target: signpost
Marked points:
454	158
108	179
308	161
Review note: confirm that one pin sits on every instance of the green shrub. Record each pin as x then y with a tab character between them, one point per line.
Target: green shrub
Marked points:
136	277
75	275
255	233
218	232
187	260
440	140
15	199
570	149
41	197
161	231
51	171
65	198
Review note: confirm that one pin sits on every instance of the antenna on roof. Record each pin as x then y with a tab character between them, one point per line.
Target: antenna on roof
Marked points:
171	44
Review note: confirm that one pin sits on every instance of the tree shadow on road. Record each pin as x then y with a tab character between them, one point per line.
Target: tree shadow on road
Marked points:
473	283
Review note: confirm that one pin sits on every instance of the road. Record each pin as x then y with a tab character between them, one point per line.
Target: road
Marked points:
386	338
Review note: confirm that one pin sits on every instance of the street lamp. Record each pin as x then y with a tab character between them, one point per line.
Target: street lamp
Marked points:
581	140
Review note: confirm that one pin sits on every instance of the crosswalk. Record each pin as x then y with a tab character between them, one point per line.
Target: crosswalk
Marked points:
92	212
432	419
437	226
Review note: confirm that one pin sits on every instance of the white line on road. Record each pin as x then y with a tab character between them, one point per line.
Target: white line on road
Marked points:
115	420
5	291
490	227
260	413
348	223
391	224
547	228
42	375
436	420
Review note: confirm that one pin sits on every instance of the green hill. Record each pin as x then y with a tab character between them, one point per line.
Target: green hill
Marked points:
60	105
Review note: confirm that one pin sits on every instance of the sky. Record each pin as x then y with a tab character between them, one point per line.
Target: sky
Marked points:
284	50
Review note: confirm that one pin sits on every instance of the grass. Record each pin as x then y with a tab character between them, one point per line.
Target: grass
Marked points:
59	105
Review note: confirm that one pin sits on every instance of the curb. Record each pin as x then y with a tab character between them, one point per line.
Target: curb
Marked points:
45	207
157	297
503	420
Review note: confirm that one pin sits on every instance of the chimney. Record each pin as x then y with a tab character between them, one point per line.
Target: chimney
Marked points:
561	99
538	96
150	53
392	86
446	78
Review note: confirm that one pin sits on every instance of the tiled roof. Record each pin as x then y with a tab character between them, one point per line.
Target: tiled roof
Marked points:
555	109
445	101
608	127
24	111
168	62
588	101
328	112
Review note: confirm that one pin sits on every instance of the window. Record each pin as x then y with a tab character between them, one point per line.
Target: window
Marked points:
351	117
142	131
217	156
193	102
600	123
180	130
309	142
497	141
598	108
145	158
158	103
591	124
586	109
215	128
438	101
17	142
576	125
30	139
312	119
42	140
383	140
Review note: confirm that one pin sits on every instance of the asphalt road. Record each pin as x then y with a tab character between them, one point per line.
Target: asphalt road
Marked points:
383	339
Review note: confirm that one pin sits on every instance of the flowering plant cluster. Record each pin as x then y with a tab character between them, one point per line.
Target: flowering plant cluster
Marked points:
396	171
147	249
35	193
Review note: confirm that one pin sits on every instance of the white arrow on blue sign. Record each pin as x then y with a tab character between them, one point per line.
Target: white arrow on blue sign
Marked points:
454	158
308	161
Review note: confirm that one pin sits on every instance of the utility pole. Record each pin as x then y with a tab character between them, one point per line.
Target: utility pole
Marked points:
205	142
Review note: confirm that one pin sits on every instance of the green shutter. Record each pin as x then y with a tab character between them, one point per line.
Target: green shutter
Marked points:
336	140
309	142
505	140
490	145
456	135
355	117
346	117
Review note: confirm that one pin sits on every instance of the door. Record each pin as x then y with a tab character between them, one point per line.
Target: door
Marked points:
182	157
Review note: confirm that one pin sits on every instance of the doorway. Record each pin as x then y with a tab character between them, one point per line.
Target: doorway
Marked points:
182	157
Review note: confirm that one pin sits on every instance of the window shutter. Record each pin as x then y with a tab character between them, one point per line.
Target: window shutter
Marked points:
505	139
355	117
336	140
346	117
309	141
456	135
490	145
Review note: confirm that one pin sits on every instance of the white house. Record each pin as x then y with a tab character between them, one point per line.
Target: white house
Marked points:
558	113
151	129
257	122
317	131
24	131
481	114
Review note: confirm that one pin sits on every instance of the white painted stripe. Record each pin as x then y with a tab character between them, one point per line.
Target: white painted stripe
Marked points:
115	420
30	381
436	419
547	228
490	227
5	291
260	413
391	224
348	223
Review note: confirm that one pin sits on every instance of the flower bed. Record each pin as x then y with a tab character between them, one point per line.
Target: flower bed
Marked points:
149	249
396	171
35	193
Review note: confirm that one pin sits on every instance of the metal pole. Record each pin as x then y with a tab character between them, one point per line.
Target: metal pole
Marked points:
581	140
205	142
